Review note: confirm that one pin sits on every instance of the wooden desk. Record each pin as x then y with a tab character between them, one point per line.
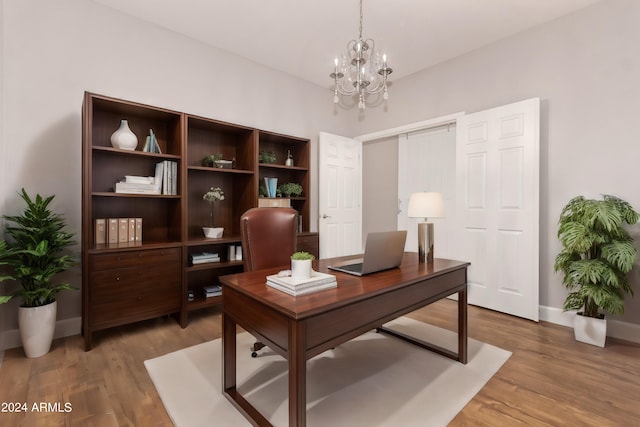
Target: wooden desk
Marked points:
299	328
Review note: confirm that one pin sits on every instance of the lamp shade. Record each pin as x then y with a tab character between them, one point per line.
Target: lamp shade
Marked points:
426	205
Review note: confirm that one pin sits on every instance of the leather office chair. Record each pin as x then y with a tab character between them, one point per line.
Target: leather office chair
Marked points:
268	239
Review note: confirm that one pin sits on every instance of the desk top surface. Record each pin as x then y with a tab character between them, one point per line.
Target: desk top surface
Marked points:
350	288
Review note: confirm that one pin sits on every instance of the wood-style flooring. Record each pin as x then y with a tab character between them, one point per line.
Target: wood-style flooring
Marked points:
550	380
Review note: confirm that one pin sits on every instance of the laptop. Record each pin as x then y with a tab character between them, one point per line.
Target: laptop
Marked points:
383	250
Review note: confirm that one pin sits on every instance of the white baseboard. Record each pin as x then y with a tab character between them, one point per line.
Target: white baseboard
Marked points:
615	328
64	328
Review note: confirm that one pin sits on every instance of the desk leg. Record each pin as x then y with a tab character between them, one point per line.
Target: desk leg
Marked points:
462	326
297	375
228	354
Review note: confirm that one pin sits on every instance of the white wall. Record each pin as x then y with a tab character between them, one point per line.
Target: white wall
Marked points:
54	51
586	69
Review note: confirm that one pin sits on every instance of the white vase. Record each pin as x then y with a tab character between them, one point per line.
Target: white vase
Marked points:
590	330
37	325
300	268
123	138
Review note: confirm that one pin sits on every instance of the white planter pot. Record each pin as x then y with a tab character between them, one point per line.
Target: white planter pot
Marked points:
37	325
590	330
300	268
213	232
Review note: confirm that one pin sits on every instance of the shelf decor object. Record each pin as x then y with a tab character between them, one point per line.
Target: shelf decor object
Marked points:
425	205
361	72
123	138
213	195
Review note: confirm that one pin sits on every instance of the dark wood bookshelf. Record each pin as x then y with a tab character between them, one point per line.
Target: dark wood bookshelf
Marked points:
124	283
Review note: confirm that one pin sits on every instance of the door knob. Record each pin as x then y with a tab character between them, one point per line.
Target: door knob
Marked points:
325	216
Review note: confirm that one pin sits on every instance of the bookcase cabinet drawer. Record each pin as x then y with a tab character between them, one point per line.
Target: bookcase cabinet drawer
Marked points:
130	286
133	258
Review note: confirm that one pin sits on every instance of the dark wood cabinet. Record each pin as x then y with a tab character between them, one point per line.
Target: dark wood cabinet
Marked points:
136	280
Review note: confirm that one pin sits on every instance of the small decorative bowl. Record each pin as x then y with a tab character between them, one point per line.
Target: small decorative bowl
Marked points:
224	164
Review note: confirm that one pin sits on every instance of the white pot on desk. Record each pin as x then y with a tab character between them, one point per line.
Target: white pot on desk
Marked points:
300	268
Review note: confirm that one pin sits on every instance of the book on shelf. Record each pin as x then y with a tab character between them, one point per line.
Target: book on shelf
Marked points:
112	231
133	179
123	230
151	143
166	177
135	188
118	232
131	234
138	237
101	231
212	290
203	258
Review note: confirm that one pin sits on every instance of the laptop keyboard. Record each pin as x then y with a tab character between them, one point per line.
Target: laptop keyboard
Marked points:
352	267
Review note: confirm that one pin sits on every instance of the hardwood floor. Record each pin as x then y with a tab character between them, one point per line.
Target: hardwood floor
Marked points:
550	380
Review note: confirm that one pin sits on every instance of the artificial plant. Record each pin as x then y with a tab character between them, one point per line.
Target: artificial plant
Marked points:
35	253
597	254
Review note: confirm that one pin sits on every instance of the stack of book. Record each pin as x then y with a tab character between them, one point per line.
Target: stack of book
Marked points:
212	291
138	185
203	258
165	181
317	282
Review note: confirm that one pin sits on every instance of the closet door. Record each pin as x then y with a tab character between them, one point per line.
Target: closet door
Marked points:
427	162
497	164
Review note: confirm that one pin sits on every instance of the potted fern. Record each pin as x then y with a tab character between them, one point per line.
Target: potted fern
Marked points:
597	254
33	257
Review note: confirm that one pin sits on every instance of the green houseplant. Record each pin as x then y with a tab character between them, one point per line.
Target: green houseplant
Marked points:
290	189
34	255
597	254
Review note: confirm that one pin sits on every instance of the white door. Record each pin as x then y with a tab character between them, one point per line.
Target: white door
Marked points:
427	162
340	195
497	163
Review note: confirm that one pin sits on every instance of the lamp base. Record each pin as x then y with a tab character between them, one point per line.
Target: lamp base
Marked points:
425	242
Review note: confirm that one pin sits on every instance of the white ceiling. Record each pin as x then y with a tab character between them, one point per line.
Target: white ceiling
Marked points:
302	37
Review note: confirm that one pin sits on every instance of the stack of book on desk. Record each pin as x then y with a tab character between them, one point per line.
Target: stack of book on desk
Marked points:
317	282
212	291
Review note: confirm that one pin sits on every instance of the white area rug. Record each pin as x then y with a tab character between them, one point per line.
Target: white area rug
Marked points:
373	380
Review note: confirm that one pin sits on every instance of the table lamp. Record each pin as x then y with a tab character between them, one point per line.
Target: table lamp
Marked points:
425	205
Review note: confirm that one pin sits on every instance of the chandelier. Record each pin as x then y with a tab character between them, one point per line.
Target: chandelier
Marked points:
360	71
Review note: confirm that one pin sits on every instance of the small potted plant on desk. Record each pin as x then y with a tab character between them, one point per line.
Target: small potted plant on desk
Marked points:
34	256
597	254
301	265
